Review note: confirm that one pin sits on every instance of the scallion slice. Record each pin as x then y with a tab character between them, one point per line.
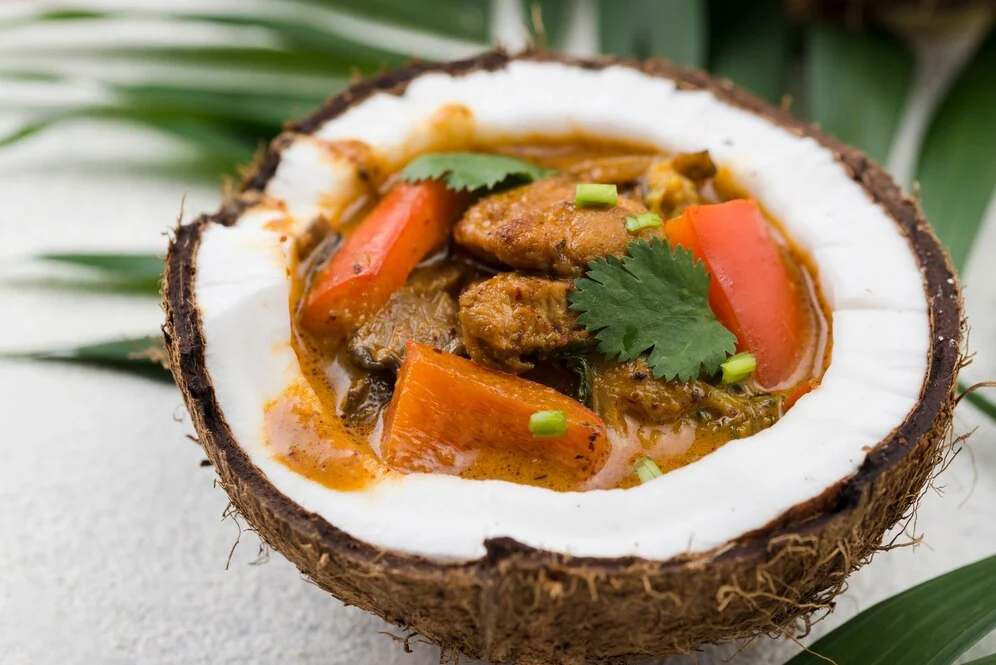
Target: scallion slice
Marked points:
647	220
544	424
591	194
738	367
647	470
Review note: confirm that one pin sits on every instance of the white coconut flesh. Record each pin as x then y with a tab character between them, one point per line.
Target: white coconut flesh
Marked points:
867	270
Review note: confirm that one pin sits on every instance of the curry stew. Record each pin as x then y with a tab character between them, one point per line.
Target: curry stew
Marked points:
437	332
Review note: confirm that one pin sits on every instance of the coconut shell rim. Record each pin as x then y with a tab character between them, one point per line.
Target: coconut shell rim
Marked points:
186	344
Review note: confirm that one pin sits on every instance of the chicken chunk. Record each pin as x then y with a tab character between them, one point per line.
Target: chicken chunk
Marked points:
510	318
538	227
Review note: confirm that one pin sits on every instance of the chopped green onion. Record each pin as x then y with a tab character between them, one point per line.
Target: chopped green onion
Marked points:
647	470
543	424
590	194
647	220
738	367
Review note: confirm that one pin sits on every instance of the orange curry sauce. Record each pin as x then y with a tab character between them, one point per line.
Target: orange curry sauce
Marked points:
304	431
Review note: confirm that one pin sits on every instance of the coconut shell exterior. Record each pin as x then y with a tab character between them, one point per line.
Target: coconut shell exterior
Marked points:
531	606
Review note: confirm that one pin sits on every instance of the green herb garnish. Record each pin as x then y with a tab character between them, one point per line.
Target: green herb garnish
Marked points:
544	424
586	378
738	367
657	301
590	194
647	220
647	470
471	170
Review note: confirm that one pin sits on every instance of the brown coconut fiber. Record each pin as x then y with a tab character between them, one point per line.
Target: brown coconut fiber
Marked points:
524	605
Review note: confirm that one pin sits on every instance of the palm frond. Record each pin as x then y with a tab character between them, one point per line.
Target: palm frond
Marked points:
672	29
931	624
856	85
957	169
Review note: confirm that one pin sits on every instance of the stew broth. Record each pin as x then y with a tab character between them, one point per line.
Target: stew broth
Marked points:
333	433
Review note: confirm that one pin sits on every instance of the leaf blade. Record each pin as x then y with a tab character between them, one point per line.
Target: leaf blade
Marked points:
956	171
465	19
134	272
978	400
145	356
554	15
253	59
672	29
297	33
125	265
749	44
931	624
856	86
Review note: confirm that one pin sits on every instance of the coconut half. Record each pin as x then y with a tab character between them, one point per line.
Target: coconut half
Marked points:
744	541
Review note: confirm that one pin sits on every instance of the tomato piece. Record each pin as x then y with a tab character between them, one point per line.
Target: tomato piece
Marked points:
445	406
752	291
409	223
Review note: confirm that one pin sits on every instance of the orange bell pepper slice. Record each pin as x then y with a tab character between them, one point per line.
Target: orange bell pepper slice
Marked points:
408	224
752	292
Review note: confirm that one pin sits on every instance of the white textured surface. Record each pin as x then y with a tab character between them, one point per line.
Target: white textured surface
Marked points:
111	546
871	280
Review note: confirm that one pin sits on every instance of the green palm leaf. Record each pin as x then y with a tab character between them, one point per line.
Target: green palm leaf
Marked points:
554	14
931	624
465	19
138	272
672	29
957	170
976	399
226	126
749	44
244	59
295	33
856	86
145	356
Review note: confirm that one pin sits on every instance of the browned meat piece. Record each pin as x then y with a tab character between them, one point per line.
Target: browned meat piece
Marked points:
621	388
423	310
538	227
510	316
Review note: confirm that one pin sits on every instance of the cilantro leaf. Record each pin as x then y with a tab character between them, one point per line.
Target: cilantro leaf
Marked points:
471	170
653	300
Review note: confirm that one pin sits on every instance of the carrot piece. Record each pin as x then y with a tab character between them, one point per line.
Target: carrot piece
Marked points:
409	222
446	406
752	292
